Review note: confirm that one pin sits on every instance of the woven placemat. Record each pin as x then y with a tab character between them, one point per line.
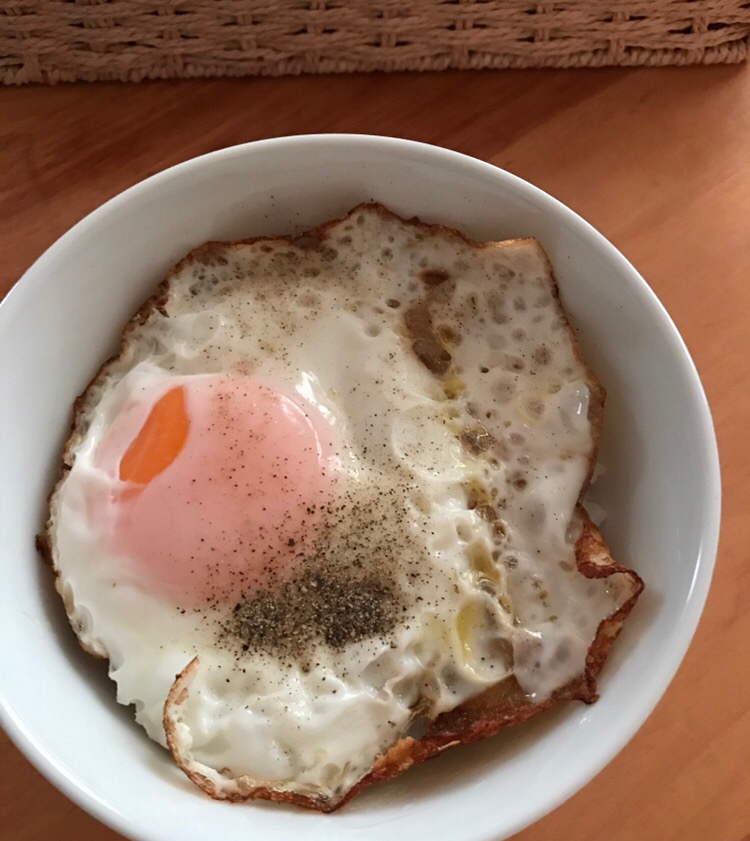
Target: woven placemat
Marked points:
66	40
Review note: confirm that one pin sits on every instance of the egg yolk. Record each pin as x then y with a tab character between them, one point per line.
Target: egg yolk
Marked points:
160	440
224	483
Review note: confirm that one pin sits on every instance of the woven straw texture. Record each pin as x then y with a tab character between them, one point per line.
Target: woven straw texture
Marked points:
66	40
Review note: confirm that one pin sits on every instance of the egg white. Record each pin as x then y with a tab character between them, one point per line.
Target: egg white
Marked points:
484	599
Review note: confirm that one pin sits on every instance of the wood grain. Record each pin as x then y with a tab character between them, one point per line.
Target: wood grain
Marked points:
658	160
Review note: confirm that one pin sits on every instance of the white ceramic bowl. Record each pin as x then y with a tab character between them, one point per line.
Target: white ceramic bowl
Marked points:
660	490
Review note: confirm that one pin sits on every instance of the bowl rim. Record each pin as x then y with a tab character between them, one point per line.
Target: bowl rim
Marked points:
37	275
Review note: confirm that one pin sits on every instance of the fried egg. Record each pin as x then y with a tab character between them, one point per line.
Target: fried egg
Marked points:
331	482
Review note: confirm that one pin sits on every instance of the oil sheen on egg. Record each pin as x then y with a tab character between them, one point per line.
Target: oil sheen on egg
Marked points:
342	474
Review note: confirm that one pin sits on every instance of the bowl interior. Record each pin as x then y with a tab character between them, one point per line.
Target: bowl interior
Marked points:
660	486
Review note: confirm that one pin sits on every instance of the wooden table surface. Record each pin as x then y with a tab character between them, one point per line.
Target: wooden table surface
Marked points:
658	160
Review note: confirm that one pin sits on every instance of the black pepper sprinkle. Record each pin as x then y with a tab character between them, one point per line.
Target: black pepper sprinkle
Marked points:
346	589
